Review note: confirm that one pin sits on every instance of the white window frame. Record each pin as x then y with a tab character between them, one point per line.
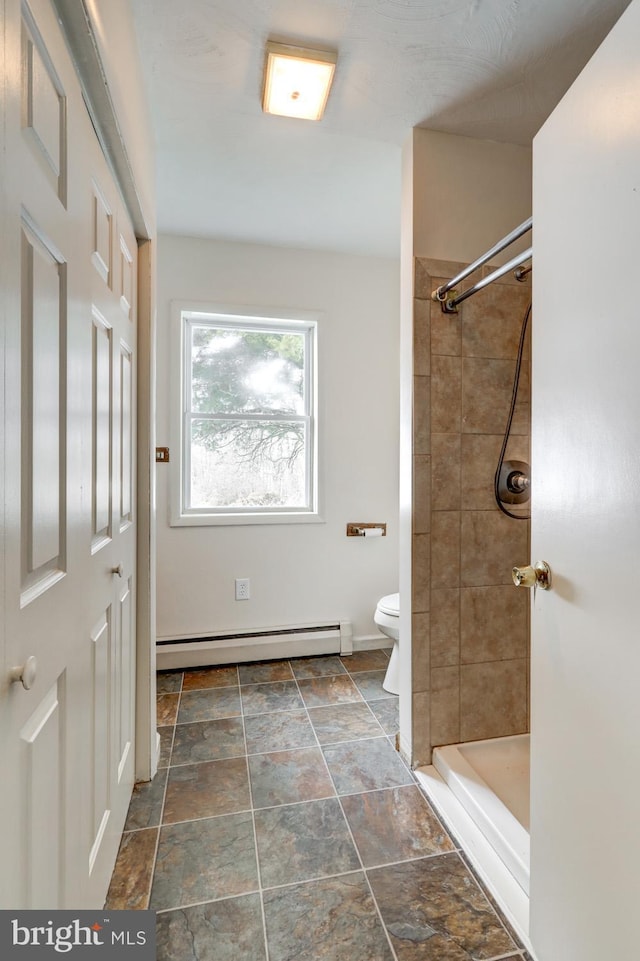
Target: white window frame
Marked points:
185	313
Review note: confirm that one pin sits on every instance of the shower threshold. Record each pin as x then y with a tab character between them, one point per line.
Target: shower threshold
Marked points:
481	790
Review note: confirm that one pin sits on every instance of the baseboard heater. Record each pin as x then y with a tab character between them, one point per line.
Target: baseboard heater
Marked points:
284	642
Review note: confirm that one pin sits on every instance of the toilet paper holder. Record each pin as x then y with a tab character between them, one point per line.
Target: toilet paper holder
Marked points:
366	530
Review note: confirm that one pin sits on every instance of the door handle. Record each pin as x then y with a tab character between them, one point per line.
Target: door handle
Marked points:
537	576
25	674
119	570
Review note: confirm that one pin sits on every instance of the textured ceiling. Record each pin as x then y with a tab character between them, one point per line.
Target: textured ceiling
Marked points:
491	69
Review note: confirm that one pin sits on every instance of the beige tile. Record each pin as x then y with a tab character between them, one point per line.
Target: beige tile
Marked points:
446	399
442	268
492	322
421	415
421	494
518	448
491	545
422	337
445	549
494	624
493	699
422	279
445	705
445	472
480	454
446	329
430	273
420	652
421	568
486	394
521	423
421	728
445	627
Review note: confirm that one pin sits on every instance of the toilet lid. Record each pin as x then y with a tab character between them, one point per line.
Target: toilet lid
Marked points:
390	604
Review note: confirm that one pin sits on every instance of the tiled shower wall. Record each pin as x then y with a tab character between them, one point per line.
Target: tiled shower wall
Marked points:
470	624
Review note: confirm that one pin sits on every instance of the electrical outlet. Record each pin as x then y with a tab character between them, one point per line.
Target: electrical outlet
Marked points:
243	588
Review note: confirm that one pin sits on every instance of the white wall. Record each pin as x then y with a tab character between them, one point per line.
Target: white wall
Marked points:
300	573
468	194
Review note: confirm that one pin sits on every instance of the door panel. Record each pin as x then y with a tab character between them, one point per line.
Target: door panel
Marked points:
102	657
44	106
126	435
102	254
102	441
585	762
70	534
42	743
44	413
123	729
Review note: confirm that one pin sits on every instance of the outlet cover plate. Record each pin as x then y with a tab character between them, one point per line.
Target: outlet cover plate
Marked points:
243	588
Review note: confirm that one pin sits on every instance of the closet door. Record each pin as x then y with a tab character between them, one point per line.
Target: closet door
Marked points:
66	699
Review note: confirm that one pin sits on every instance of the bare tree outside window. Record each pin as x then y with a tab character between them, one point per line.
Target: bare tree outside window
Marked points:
248	415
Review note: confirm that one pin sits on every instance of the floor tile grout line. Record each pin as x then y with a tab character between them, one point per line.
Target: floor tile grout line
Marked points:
316	707
255	841
320	877
297	710
373	737
516	952
207	817
373	790
356	849
275	807
199	904
367	881
164	798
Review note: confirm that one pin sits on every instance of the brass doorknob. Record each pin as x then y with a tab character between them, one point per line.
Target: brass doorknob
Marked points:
119	570
25	674
537	576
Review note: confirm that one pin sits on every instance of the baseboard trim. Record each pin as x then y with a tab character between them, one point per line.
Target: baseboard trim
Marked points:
268	645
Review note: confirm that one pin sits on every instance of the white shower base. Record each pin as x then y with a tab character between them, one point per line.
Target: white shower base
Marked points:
481	789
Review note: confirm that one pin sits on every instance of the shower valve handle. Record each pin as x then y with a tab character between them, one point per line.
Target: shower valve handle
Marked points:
537	576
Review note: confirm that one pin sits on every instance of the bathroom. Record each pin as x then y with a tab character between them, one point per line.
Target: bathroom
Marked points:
466	668
477	684
461	684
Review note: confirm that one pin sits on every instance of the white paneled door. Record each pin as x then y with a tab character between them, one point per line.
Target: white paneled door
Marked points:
585	740
69	294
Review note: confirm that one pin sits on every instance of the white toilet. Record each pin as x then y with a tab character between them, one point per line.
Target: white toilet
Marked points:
387	620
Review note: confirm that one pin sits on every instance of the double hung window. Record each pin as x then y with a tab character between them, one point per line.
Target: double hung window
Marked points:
248	434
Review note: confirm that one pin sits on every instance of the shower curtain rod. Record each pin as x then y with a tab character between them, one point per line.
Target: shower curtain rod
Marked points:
441	292
451	306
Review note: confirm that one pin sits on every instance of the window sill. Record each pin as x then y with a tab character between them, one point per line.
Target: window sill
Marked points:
244	520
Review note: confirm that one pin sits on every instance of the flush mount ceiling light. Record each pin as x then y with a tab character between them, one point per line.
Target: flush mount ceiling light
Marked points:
297	81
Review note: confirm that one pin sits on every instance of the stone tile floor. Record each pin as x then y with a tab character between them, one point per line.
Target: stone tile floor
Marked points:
284	826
